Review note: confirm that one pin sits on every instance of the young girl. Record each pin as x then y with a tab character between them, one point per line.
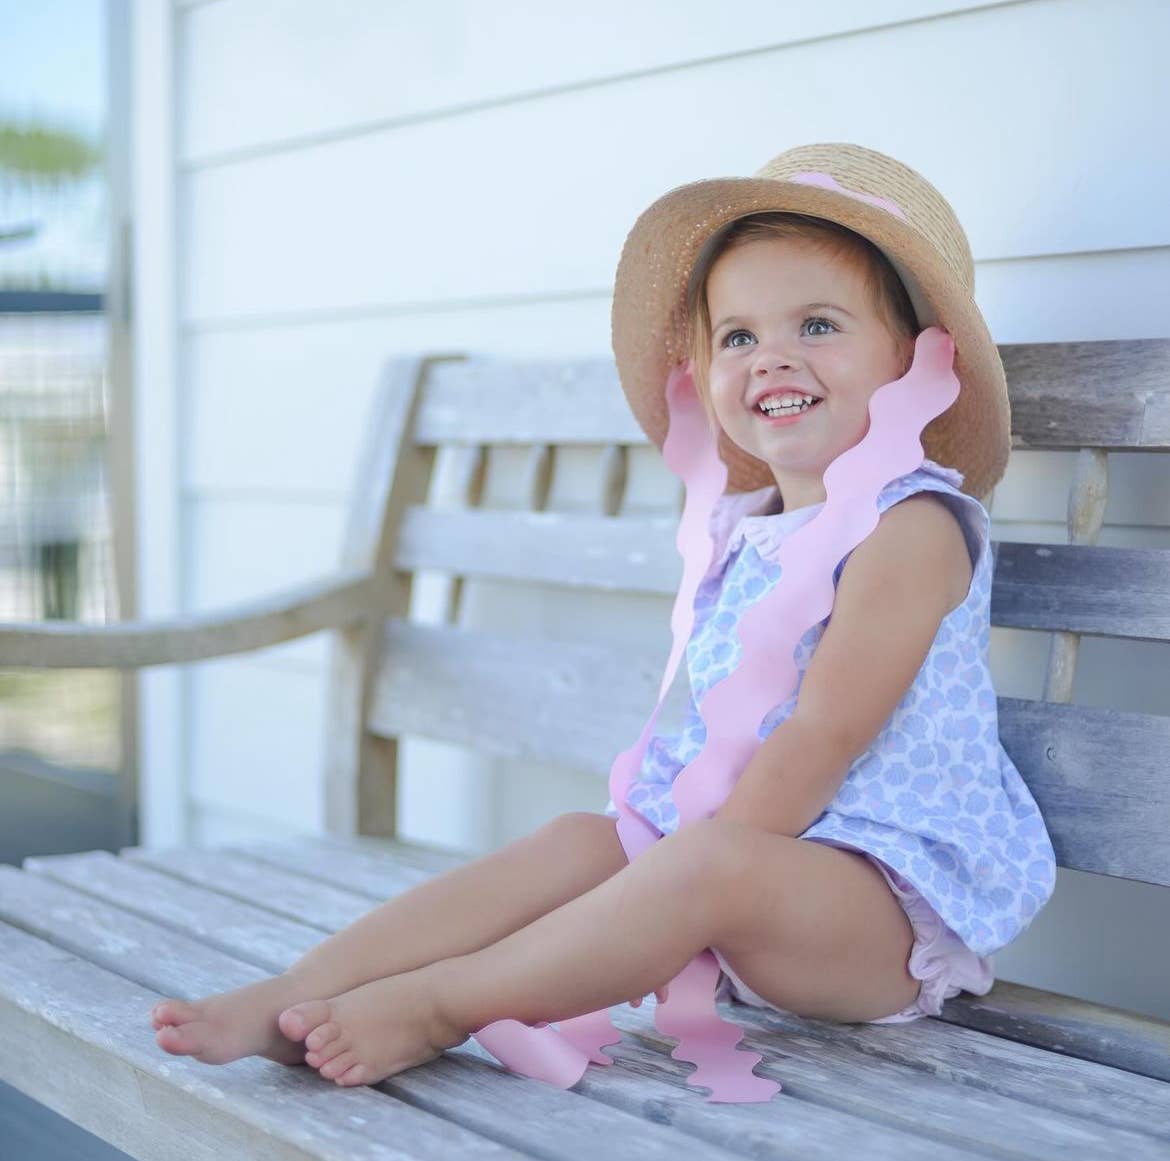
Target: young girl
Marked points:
879	845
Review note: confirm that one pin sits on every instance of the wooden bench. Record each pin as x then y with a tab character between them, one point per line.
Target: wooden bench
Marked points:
88	942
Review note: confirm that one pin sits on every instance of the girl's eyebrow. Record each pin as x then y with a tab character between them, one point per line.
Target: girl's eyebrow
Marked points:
799	310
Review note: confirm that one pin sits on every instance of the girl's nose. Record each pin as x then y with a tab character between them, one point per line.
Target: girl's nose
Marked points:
771	361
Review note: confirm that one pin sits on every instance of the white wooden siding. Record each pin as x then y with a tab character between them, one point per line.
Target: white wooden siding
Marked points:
367	178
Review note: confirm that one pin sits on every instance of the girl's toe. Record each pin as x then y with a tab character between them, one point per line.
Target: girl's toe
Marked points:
167	1012
331	1051
355	1075
319	1037
185	1040
332	1069
299	1020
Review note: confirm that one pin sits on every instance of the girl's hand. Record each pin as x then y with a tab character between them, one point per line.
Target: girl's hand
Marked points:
659	994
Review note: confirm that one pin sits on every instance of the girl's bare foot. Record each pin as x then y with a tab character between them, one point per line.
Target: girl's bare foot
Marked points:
374	1031
229	1025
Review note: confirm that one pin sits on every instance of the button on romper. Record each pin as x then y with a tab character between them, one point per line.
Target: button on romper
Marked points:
935	802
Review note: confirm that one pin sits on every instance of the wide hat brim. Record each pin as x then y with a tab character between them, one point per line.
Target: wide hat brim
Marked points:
928	250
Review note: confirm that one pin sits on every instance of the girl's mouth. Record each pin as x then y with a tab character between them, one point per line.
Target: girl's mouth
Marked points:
786	415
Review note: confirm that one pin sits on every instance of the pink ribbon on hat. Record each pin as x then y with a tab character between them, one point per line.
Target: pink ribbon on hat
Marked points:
733	709
827	181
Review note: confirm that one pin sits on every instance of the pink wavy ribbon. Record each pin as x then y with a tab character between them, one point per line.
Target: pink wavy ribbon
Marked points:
734	708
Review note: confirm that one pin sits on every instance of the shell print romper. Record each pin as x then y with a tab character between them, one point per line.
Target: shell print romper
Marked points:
935	802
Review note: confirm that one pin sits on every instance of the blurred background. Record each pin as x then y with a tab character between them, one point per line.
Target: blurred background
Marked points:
220	217
64	779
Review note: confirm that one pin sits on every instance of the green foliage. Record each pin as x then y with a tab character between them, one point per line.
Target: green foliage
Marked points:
44	157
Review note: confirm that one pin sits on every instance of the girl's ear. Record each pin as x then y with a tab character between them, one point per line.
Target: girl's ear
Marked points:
908	354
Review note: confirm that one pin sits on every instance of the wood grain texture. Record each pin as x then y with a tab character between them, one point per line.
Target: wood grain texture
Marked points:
84	953
88	941
1108	394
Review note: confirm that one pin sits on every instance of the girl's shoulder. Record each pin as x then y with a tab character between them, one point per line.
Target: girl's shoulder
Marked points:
944	482
929	476
752	516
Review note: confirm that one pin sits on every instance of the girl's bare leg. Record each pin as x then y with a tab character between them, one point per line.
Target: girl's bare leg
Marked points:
459	912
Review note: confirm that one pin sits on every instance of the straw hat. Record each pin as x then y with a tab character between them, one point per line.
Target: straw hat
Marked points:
898	210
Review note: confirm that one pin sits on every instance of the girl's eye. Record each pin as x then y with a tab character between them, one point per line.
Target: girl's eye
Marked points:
728	339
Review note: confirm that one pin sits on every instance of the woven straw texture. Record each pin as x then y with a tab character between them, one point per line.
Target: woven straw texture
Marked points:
926	245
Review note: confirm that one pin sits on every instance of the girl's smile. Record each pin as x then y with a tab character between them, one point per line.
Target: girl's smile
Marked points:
798	349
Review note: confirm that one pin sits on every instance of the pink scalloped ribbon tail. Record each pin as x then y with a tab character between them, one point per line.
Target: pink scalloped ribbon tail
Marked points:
734	709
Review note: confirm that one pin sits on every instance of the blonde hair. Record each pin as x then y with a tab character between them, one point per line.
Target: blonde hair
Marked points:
887	292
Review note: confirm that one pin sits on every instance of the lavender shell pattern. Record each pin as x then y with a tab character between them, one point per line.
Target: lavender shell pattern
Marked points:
936	796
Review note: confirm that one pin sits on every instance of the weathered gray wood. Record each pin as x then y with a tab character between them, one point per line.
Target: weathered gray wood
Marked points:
553	401
982	1091
213	919
404	854
362	875
1099	778
580	705
931	1050
1012	1074
1107	592
1087	498
630	554
570	702
1108	394
129	945
282	892
77	1038
1079	1028
392	472
1112	394
296	612
1115	592
1059	1023
475	1100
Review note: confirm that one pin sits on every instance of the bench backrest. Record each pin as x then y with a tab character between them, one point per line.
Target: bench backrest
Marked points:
578	691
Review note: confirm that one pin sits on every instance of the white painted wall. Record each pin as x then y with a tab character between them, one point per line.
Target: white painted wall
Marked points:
349	181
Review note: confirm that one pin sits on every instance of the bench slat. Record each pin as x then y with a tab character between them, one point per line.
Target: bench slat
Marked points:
1107	592
1113	592
294	896
1099	778
881	1076
1085	1029
1065	1024
480	1095
1058	401
138	890
364	876
76	1038
1053	388
580	705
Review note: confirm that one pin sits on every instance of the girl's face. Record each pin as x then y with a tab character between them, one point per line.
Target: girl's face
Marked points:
790	321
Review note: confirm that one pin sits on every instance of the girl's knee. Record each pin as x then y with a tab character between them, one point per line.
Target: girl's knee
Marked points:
580	831
713	860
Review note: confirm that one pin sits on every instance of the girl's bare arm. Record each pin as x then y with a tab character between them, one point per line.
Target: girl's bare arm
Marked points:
894	592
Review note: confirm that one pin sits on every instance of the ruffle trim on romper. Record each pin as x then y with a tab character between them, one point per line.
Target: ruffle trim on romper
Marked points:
943	963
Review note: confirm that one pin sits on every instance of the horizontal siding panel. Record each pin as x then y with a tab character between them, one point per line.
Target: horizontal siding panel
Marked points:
211	825
244	548
258	72
284	407
397	216
258	747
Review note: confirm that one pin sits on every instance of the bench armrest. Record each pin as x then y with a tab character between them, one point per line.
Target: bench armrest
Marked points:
332	602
